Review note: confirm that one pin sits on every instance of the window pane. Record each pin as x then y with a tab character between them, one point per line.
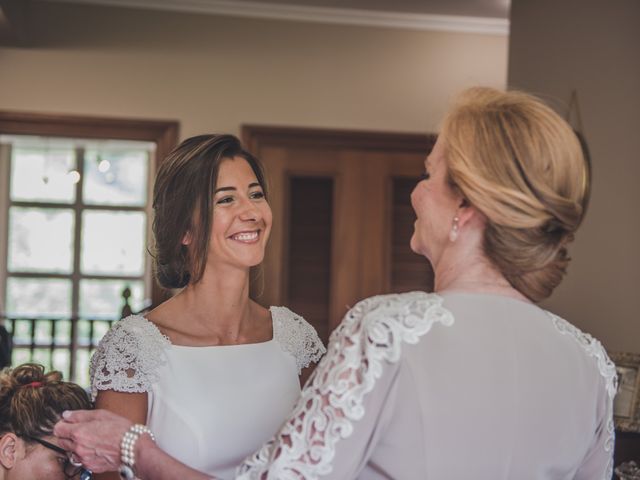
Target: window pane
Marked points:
84	329
102	299
20	356
62	361
82	368
22	334
43	357
42	174
63	332
38	297
99	330
40	240
43	331
115	177
113	243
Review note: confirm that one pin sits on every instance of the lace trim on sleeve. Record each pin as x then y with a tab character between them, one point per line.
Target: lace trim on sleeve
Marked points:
607	369
128	357
370	335
297	337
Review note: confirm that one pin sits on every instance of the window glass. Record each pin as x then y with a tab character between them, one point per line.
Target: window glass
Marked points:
82	369
38	297
43	174
20	356
102	299
43	332
113	243
40	240
43	357
115	177
84	332
62	361
63	332
22	333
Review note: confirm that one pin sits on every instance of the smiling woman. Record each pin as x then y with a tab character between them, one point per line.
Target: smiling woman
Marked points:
211	226
30	404
183	203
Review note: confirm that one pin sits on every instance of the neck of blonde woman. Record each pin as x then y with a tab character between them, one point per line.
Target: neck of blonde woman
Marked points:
464	267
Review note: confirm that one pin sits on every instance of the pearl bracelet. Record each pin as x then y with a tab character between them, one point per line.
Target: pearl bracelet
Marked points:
127	448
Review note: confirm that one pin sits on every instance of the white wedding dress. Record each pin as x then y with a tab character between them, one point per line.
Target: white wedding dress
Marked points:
209	407
451	386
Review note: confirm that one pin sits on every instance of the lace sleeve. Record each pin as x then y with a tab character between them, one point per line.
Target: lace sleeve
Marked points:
297	337
337	397
598	463
128	357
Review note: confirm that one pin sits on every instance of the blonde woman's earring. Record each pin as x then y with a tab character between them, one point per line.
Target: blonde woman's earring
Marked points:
453	234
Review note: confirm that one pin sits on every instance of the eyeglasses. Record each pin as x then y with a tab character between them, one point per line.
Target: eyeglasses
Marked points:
69	467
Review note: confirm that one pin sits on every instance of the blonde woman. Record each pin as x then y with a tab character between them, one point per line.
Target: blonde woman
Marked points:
472	381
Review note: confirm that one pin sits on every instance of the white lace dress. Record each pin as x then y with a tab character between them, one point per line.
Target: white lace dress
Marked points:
209	407
452	386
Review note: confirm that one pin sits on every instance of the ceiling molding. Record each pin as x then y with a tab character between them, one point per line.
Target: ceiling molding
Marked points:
340	16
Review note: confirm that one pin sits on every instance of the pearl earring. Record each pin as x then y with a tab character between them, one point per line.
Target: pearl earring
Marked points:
453	234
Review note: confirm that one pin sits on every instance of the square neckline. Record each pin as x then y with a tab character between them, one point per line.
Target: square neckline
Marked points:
255	344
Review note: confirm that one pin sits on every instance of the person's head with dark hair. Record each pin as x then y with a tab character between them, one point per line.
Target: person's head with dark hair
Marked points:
31	402
186	194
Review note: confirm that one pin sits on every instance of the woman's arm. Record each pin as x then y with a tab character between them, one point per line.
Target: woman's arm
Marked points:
131	406
95	435
154	464
305	373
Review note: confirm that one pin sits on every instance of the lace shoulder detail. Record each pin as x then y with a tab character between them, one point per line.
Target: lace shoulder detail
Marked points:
607	369
370	336
297	337
128	357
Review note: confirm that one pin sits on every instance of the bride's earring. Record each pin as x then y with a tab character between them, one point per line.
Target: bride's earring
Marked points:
453	234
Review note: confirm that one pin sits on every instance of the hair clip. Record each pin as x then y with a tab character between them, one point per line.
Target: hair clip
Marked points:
33	384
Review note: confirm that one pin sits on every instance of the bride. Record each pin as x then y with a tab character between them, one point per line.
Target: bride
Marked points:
209	366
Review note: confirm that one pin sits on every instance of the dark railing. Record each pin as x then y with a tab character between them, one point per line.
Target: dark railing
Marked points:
64	344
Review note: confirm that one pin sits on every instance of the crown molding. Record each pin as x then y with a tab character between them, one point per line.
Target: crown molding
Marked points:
338	16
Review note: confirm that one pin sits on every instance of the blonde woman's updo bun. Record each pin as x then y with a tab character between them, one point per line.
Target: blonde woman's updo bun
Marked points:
521	165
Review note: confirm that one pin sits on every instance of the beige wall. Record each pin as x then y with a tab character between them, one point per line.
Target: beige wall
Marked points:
594	46
215	73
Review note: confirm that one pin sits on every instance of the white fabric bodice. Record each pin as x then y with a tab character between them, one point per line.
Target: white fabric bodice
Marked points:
209	407
454	386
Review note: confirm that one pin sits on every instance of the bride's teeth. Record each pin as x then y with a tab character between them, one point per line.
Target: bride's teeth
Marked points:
246	236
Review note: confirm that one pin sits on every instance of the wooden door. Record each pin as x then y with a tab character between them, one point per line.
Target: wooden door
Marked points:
342	218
